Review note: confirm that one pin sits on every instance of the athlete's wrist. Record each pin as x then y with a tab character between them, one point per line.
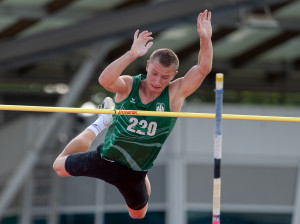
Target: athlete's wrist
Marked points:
131	55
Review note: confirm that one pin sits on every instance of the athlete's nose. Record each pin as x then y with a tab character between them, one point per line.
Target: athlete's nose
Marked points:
157	81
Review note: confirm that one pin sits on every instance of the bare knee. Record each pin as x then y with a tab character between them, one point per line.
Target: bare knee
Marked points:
59	166
138	214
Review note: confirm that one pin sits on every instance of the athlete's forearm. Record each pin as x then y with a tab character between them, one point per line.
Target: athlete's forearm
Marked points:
114	70
205	56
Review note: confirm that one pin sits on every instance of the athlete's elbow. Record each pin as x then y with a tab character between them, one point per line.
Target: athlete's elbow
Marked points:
207	70
102	80
104	83
204	69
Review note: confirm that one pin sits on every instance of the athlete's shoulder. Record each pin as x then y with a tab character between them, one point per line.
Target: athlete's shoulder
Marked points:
128	82
176	99
132	79
127	78
120	96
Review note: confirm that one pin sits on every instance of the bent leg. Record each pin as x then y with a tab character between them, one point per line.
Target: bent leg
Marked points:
139	214
80	143
83	141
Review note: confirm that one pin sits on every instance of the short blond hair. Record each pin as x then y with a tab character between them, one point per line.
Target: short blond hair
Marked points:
166	57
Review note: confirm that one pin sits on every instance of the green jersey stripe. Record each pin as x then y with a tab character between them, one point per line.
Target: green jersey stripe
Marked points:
143	144
130	160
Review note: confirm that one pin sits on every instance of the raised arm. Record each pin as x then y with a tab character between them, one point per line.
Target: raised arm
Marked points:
194	77
111	78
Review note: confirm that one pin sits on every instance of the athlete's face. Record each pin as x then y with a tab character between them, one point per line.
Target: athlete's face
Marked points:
158	76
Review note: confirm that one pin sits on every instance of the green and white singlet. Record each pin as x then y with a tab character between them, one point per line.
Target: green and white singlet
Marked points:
135	141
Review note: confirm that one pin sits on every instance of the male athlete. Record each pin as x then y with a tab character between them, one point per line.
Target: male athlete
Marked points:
132	143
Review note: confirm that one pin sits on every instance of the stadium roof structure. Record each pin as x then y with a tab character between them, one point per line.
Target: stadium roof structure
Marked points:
44	42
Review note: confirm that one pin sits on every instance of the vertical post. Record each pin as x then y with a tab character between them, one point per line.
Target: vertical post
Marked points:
27	202
296	210
176	180
217	150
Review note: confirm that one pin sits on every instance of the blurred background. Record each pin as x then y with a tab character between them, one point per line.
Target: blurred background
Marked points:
52	52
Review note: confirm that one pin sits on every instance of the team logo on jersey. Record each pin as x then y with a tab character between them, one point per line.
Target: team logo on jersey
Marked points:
160	107
132	100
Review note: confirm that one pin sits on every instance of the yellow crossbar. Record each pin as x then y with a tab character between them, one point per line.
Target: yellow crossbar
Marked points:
148	113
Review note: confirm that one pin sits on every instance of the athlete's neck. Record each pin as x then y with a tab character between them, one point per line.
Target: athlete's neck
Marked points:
146	95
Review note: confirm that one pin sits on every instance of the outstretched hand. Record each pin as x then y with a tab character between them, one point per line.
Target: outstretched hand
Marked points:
141	43
204	24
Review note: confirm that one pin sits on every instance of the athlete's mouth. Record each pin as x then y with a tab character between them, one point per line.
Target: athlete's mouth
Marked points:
155	87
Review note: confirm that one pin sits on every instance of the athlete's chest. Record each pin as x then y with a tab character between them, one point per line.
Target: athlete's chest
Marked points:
144	125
